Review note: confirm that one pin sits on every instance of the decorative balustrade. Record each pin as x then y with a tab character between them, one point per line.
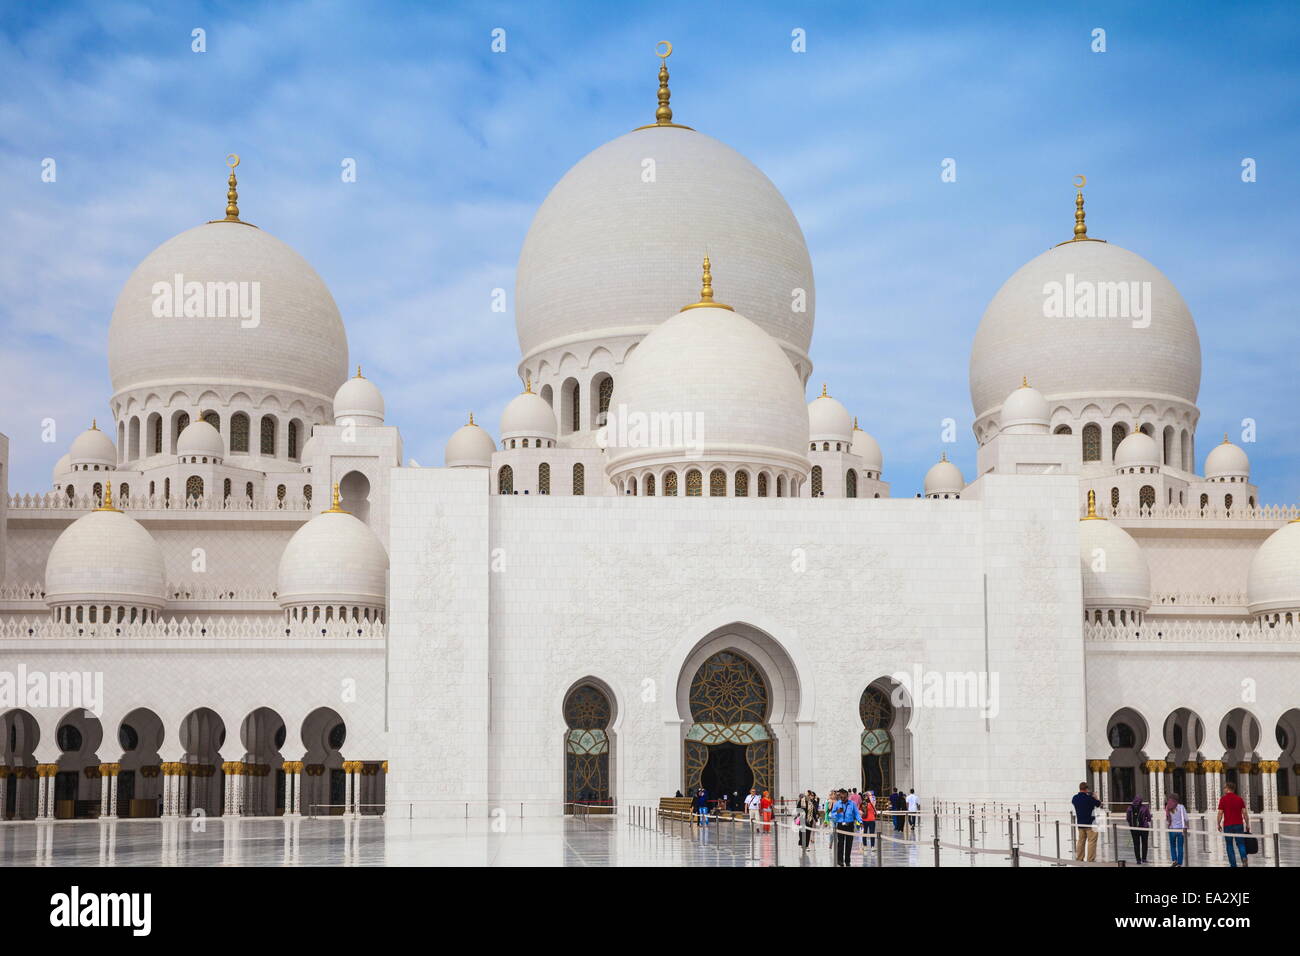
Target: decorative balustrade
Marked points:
58	501
175	592
1242	512
1194	632
1199	599
217	628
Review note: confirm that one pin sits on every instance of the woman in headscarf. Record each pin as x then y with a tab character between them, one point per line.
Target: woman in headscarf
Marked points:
1138	818
1176	821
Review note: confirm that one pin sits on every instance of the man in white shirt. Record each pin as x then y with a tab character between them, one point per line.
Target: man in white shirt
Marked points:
751	806
913	809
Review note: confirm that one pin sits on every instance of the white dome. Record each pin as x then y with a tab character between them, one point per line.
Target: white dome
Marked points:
1085	357
61	467
360	400
1227	461
333	559
868	449
528	416
1115	571
105	557
828	420
308	449
1025	412
943	478
200	438
1274	581
720	373
469	446
298	342
608	250
92	447
1137	450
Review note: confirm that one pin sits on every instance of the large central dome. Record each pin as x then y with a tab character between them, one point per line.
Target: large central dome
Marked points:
617	243
294	341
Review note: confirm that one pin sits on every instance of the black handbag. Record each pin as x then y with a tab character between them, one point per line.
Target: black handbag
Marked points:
1252	845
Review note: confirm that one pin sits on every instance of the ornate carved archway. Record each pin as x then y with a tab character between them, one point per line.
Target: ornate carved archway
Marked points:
730	703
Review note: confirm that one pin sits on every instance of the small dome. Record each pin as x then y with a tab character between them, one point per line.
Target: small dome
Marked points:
333	559
528	416
828	420
1274	582
105	557
360	400
1025	412
1115	571
200	438
1227	461
943	478
868	449
61	467
92	447
308	449
469	446
1137	450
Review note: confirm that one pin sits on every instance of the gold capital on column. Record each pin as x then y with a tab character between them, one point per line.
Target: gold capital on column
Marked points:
385	766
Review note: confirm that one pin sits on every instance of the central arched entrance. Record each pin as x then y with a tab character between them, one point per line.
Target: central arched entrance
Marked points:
729	746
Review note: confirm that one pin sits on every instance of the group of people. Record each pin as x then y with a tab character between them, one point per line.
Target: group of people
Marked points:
1233	822
846	813
758	807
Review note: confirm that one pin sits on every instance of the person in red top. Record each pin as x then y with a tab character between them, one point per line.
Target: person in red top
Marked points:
869	818
765	810
1233	819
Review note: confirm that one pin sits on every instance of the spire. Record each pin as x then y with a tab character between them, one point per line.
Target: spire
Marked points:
855	424
94	425
528	384
108	498
334	508
664	113
706	293
1092	508
1225	439
1024	381
232	194
824	395
1080	227
943	456
359	375
471	418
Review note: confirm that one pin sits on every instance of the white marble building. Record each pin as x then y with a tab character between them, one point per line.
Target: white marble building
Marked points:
246	604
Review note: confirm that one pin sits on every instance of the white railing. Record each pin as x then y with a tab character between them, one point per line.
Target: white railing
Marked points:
1240	511
217	628
175	591
58	501
1194	632
1199	599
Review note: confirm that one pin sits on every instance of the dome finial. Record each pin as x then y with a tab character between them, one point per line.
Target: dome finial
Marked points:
1024	381
359	375
232	190
334	507
107	504
471	418
94	425
824	395
706	292
1092	507
664	113
1080	227
1225	438
943	456
528	384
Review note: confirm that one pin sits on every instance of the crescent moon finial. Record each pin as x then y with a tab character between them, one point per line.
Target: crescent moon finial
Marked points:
232	160
666	51
1080	181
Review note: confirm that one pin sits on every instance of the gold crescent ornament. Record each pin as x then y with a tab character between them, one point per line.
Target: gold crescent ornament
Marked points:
1080	181
667	49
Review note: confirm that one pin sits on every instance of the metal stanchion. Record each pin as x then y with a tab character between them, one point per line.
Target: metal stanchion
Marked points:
1277	849
1058	839
880	848
1015	856
972	829
1114	841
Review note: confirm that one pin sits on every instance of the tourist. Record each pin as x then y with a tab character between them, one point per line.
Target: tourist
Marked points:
856	798
1176	821
896	805
869	818
1138	818
806	817
1085	805
765	808
751	807
702	806
826	820
1234	819
845	816
913	809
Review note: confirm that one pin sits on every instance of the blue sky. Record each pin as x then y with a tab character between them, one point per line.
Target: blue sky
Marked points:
456	148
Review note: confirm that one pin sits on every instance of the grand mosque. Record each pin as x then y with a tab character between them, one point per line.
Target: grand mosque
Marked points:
235	597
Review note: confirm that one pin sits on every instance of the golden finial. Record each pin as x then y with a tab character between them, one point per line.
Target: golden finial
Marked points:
943	456
1092	508
664	113
107	504
855	424
334	507
1024	381
94	424
528	384
824	395
359	375
1225	438
471	418
1080	227
706	293
232	194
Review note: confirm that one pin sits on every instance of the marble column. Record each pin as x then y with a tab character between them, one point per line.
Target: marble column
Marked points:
104	779
113	770
297	788
1103	770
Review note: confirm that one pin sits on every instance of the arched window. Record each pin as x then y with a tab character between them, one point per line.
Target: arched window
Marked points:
239	433
575	409
306	494
506	480
1186	445
155	433
1118	432
780	486
587	714
670	484
1147	497
1063	430
1114	498
694	483
543	479
1205	502
742	484
1252	501
631	485
167	492
98	492
717	483
606	393
280	492
816	482
293	440
579	479
525	443
851	484
1227	502
1092	442
248	491
180	422
123	492
762	484
193	487
649	485
1169	446
268	435
225	489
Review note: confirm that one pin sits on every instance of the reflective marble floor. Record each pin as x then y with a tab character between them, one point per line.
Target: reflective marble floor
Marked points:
542	841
